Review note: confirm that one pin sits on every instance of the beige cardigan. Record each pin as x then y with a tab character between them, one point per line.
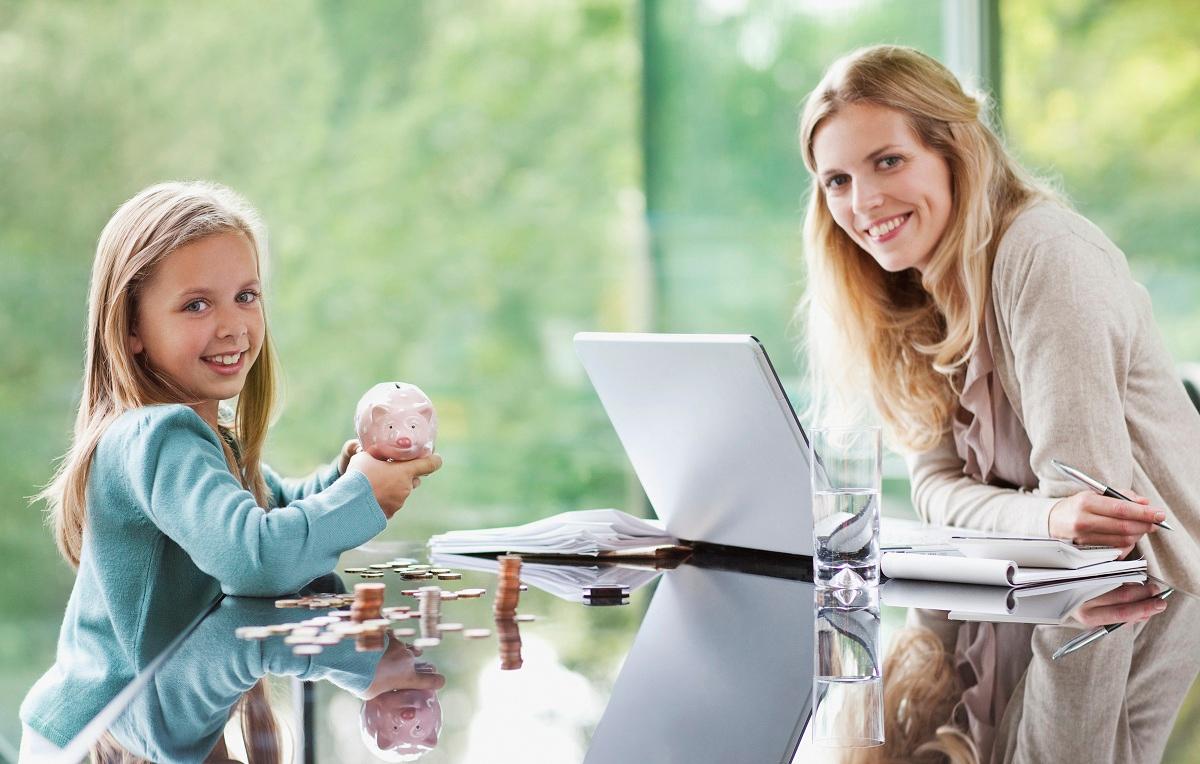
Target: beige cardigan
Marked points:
1079	356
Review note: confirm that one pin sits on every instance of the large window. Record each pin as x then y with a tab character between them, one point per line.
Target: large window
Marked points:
725	181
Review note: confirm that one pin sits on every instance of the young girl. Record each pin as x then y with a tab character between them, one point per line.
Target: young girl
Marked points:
994	328
159	503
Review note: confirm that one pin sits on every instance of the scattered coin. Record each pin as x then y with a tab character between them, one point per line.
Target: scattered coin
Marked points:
307	649
405	632
523	618
424	642
476	633
252	632
450	627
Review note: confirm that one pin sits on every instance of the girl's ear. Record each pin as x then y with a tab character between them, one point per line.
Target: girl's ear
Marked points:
134	342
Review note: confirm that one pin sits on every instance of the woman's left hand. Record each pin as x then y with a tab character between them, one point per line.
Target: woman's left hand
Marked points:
351	448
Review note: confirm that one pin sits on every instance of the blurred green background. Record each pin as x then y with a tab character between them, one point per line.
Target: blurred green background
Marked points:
454	188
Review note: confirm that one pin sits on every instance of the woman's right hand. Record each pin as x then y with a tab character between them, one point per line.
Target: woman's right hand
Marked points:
1089	518
393	482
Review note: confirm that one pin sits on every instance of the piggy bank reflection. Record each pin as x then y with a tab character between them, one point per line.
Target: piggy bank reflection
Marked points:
401	725
396	421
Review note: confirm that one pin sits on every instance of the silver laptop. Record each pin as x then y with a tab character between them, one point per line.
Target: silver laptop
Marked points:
710	433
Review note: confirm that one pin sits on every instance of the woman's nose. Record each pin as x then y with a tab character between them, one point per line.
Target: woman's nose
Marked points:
866	196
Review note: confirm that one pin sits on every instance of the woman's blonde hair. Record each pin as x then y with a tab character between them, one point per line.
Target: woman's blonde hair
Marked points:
143	231
904	337
920	691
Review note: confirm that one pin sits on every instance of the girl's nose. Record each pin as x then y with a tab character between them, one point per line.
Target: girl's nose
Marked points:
232	325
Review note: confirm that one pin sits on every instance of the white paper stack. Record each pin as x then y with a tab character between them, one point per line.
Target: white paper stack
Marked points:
584	533
562	580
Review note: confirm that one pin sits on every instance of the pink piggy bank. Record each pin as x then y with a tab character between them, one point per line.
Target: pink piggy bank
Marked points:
396	422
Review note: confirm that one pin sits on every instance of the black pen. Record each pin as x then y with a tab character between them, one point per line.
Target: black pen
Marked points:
1097	486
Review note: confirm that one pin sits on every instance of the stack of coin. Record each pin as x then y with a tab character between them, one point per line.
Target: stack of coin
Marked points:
508	587
368	602
509	635
430	610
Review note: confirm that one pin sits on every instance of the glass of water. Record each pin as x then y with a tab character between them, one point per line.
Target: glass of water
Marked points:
848	686
847	471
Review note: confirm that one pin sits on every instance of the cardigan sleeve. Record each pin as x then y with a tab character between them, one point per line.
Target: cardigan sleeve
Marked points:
943	495
182	483
286	490
1064	312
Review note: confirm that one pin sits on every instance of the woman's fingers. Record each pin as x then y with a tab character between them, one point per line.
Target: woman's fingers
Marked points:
1125	510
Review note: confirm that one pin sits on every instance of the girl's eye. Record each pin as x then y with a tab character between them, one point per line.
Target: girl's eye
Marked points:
250	296
836	181
195	306
890	162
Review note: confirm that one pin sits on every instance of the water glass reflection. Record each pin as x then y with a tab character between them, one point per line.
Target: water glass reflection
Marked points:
848	686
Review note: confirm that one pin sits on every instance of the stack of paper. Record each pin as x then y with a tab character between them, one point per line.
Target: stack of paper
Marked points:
1051	603
583	533
562	580
989	572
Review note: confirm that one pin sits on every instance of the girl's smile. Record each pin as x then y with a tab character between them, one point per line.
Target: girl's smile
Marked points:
227	364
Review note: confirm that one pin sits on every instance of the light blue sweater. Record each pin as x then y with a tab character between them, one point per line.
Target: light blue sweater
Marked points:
181	713
169	528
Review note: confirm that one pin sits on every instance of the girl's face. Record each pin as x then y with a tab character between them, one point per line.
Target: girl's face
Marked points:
200	319
883	187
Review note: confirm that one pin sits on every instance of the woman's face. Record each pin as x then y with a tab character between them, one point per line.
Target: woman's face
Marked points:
884	188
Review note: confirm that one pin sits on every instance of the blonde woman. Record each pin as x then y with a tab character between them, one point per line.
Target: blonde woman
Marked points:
993	328
159	503
990	327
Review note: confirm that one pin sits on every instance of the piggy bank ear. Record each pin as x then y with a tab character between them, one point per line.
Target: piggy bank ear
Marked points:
377	410
426	411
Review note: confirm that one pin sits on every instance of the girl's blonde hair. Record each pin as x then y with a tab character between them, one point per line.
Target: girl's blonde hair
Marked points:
903	338
143	231
920	691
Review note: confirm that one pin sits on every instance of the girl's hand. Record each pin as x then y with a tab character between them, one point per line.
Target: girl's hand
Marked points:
393	482
1089	518
351	448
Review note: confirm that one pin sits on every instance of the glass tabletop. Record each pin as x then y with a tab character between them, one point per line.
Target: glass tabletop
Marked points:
715	659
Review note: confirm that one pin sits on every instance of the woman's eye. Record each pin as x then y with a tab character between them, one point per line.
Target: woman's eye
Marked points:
247	296
836	181
889	162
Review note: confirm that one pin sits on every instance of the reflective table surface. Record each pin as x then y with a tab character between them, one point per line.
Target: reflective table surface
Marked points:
719	659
